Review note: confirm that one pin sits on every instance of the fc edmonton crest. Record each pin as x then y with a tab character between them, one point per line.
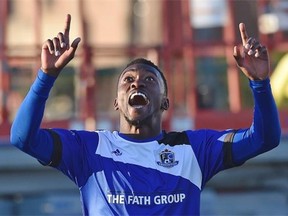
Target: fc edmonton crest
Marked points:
167	159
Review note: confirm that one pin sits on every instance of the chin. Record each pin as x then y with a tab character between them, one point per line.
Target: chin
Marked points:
137	121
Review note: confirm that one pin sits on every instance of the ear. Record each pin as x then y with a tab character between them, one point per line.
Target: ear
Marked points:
165	104
116	104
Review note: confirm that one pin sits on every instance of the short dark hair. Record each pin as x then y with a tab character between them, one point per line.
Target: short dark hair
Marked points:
150	63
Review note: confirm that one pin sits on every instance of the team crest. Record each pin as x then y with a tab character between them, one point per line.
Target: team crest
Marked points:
167	159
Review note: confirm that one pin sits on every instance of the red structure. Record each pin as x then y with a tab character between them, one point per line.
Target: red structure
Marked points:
179	50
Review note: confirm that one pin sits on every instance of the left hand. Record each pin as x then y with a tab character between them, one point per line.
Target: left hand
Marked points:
252	58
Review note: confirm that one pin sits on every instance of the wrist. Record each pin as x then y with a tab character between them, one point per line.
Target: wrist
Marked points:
260	84
49	72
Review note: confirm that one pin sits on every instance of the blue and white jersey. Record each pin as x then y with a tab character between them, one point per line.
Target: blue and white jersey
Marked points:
161	176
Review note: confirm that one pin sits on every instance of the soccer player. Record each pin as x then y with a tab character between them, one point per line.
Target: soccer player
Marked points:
141	169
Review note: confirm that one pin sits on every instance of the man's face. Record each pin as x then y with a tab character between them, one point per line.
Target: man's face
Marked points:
141	93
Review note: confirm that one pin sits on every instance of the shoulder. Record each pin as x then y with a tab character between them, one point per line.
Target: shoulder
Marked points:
174	138
106	134
190	136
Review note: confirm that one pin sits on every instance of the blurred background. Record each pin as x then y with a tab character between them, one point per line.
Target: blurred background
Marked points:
192	42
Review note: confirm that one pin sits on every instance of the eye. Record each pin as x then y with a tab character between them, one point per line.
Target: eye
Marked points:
150	78
128	79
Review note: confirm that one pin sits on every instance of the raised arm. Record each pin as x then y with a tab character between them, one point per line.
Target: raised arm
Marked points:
264	134
25	131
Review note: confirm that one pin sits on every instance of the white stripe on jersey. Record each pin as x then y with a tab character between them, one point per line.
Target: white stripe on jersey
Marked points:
147	154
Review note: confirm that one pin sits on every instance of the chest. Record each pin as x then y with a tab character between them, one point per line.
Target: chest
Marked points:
145	167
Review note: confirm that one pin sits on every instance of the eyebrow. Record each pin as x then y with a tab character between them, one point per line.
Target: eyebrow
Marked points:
134	70
141	67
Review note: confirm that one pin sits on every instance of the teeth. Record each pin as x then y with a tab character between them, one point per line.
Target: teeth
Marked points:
138	94
138	106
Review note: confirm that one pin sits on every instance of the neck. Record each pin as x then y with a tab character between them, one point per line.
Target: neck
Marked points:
140	129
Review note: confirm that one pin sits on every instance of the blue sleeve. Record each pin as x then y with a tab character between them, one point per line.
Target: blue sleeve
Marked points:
25	131
77	154
215	153
75	148
208	147
265	131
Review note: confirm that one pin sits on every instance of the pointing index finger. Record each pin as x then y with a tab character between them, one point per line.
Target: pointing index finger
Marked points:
67	28
243	33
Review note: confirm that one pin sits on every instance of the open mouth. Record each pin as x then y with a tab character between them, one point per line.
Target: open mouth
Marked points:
138	100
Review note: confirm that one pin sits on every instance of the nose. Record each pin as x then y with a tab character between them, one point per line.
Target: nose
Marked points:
138	83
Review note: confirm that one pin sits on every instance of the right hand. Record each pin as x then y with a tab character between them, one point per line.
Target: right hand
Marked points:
57	53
